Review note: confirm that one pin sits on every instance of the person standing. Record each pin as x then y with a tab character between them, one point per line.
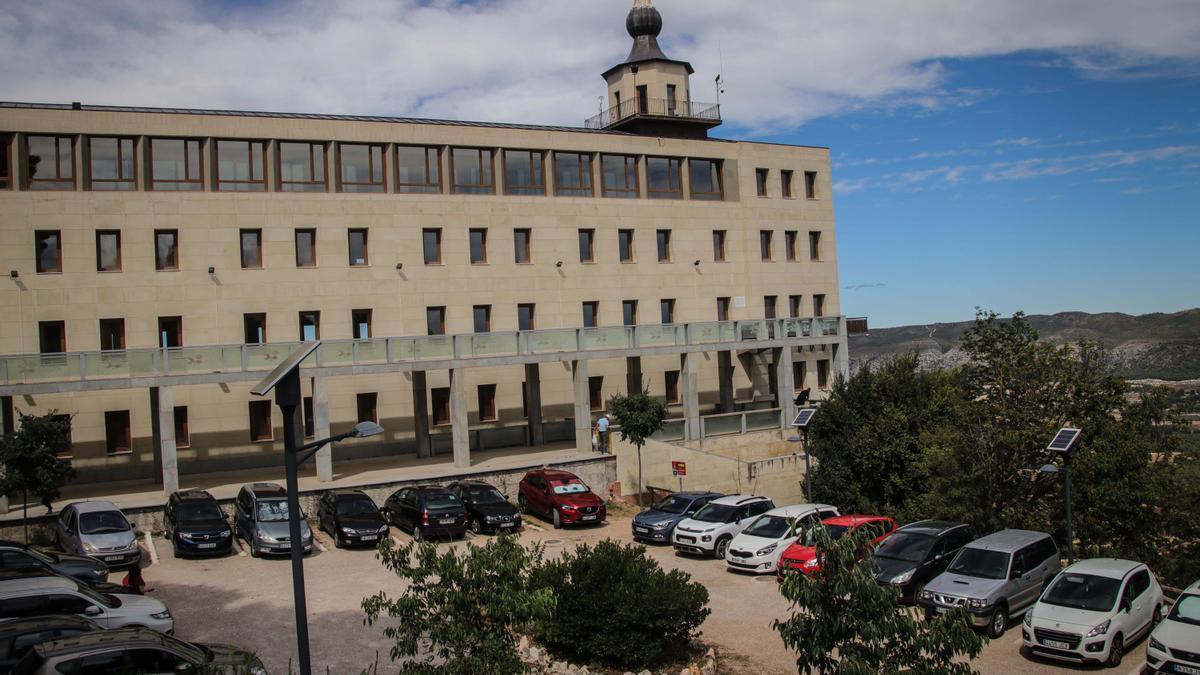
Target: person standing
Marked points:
602	430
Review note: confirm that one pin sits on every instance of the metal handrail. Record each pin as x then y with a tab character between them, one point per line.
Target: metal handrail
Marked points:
655	107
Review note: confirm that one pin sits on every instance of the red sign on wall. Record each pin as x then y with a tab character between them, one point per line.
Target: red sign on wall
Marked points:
679	468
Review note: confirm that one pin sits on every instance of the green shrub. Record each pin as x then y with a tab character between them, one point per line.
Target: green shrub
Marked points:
615	605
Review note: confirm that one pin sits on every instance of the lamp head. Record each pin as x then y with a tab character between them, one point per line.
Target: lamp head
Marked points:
1048	468
558	264
365	429
399	266
695	263
212	270
13	274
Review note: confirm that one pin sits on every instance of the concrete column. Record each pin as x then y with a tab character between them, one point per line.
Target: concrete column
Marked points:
785	384
583	406
841	351
324	456
533	403
725	380
421	413
162	409
633	374
689	393
458	419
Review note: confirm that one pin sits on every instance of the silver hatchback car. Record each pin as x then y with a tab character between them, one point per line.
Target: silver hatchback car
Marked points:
98	530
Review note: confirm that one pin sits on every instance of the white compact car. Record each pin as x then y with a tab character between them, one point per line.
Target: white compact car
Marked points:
1174	647
758	547
32	596
709	530
1092	610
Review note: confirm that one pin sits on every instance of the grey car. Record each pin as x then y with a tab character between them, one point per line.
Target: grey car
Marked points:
261	519
996	578
97	530
658	522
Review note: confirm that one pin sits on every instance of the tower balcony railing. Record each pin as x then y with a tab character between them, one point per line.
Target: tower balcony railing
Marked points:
655	107
24	369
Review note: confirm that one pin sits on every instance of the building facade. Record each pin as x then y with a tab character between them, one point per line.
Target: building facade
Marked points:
473	284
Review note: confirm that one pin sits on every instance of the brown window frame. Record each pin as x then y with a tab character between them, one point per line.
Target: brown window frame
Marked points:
483	248
121	182
118	427
671	386
487	318
760	181
586	188
790	239
312	233
355	316
100	234
814	246
532	315
258	263
766	245
590	233
183	432
312	185
111	328
674	188
437	233
486	188
799	375
316	316
632	189
537	172
6	165
594	305
715	171
818	303
724	305
810	184
260	414
173	265
367	402
61	326
439	407
795	305
486	395
630	257
165	326
438	311
58	180
38	237
629	312
246	317
770	306
527	249
434	163
822	373
596	393
666	310
662	242
720	246
366	246
188	183
786	176
250	184
374	184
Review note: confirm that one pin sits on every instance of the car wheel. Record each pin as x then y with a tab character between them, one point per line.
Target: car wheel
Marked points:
1157	615
721	547
998	623
557	519
1116	651
476	526
254	553
175	548
337	540
418	535
917	590
522	504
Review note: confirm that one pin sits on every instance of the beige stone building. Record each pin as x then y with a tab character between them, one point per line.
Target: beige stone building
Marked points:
474	285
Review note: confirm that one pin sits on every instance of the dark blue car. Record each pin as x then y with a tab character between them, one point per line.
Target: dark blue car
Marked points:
656	523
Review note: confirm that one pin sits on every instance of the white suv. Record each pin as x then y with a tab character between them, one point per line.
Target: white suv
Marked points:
1092	610
758	547
1174	646
709	530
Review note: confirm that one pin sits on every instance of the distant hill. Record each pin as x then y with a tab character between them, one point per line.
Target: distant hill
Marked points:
1160	346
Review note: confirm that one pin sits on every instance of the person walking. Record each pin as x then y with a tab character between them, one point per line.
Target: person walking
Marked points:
602	430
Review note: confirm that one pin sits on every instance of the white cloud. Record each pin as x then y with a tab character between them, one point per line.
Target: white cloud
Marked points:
539	61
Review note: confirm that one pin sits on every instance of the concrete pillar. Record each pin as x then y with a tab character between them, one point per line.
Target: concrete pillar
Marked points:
841	352
421	413
533	403
459	430
162	422
583	406
689	393
320	410
785	384
725	380
633	374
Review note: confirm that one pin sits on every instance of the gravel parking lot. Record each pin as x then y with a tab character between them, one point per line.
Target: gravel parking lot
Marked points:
247	602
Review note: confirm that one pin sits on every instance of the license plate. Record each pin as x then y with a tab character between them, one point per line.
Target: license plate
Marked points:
942	610
369	537
643	530
112	558
206	545
588	518
1187	669
1056	644
507	524
446	521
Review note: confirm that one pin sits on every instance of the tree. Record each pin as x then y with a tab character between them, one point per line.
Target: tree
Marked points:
844	622
459	612
639	416
32	462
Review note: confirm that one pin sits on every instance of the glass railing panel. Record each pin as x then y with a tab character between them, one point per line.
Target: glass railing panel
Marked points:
722	424
48	367
659	336
758	420
489	344
750	330
97	366
672	430
829	326
403	349
266	357
545	341
704	332
611	337
433	347
728	331
371	351
192	360
339	353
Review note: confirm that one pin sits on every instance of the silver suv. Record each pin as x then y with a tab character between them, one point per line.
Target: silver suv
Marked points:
996	578
261	519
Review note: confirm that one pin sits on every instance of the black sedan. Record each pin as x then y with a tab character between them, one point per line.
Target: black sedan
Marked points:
487	509
195	524
350	517
19	557
426	511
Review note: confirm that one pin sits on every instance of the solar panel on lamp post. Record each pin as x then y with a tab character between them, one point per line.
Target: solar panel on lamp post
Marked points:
803	419
1063	443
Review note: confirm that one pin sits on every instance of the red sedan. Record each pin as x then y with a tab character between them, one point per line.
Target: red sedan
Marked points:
802	556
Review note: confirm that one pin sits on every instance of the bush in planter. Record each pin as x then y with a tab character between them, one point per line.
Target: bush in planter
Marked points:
614	604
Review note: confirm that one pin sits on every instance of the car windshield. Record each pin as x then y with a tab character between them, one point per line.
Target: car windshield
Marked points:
1186	609
673	504
567	487
835	533
978	562
440	500
905	546
356	506
102	522
1083	591
272	510
103	599
769	527
714	513
199	511
41	557
486	495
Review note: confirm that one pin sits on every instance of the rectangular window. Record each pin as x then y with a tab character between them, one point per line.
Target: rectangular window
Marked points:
360	168
183	434
625	245
663	239
175	164
306	247
629	312
108	250
472	170
356	239
705	179
251	249
785	183
794	306
302	167
523	173
112	163
671	100
819	304
769	302
525	316
487	402
255	328
666	310
310	423
596	392
672	381
722	309
52	337
814	245
663	178
112	335
418	169
810	184
6	175
166	250
261	428
718	245
619	176
431	245
51	163
823	374
48	251
587	246
170	332
310	326
368	407
799	375
478	243
789	244
764	245
240	166
482	315
591	313
521	247
117	434
760	180
572	174
360	323
440	405
435	320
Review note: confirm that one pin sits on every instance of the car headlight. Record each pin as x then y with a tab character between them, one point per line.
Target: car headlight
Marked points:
225	534
491	519
1099	630
706	538
88	548
977	603
161	616
661	525
383	528
1155	644
811	563
263	536
765	551
903	578
348	531
257	670
926	595
568	507
1029	618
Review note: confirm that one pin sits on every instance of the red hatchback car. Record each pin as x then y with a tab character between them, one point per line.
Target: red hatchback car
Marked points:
802	556
559	496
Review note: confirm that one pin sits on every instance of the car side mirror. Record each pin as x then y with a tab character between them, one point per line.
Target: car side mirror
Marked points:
1016	572
92	610
1125	605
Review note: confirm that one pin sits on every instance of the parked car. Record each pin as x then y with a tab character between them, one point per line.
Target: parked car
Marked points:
918	552
487	508
802	556
758	547
98	530
16	556
134	650
426	511
261	518
40	595
19	635
1174	646
1092	611
658	522
195	524
561	497
710	529
350	517
997	578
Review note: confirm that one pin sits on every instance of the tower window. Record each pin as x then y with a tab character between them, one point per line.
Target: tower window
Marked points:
619	176
175	164
523	173
705	179
113	163
472	170
240	166
302	167
418	169
572	174
51	162
360	168
663	177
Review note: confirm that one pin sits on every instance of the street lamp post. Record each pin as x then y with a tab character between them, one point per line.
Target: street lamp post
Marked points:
1063	444
803	419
